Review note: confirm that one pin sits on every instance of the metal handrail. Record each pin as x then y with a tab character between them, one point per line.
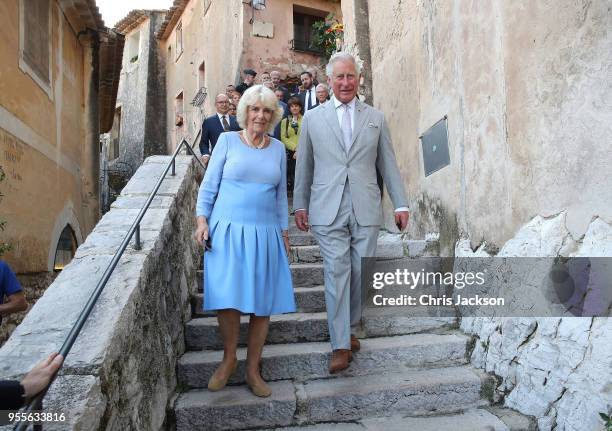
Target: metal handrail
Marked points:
36	402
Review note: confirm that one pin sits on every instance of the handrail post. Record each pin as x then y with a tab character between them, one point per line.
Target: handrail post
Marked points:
137	246
173	173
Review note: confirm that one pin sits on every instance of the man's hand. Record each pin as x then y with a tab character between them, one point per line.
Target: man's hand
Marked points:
401	219
301	220
205	159
40	376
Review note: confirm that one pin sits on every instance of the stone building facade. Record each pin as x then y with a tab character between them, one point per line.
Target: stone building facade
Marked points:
524	89
59	68
207	43
139	126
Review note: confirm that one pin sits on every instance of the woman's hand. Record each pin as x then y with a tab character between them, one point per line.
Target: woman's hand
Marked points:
201	233
286	241
295	155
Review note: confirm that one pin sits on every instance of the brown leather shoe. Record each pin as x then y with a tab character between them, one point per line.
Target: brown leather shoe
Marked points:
340	360
355	344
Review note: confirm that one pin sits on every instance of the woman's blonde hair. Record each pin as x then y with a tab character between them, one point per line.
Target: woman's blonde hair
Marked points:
259	93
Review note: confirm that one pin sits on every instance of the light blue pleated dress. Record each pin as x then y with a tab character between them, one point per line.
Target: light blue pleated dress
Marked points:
244	198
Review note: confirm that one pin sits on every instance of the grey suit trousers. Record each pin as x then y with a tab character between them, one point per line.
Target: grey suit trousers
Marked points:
343	244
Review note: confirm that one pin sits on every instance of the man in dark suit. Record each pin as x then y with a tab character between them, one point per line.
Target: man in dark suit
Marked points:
279	95
248	82
216	124
308	96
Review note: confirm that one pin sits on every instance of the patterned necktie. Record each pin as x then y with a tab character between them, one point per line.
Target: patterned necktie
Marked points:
225	124
347	132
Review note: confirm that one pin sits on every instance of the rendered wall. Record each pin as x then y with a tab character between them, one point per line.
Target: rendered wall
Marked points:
526	87
44	144
121	372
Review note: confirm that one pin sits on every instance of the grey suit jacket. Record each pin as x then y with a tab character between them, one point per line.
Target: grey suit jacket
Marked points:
323	166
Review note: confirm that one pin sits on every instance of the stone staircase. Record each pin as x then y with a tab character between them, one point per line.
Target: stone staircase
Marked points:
412	373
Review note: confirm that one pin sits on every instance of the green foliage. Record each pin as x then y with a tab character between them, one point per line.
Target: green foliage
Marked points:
4	247
326	35
607	418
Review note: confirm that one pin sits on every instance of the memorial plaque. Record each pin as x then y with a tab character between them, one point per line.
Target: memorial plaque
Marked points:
435	147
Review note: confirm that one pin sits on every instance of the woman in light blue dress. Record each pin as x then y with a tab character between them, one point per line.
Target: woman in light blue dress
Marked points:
242	207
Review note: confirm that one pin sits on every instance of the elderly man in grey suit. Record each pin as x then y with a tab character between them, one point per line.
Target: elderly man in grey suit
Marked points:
336	194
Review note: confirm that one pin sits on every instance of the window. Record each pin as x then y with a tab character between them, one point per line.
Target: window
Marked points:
179	39
35	41
66	248
303	20
113	150
133	47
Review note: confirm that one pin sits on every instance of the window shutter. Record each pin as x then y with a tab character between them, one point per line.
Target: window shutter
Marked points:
36	37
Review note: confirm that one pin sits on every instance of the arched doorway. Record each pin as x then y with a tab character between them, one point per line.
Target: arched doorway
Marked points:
66	248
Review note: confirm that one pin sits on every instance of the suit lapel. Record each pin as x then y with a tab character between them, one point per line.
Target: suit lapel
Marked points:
361	115
332	120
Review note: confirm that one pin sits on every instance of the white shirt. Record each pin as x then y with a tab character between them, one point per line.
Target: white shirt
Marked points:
340	112
227	118
313	98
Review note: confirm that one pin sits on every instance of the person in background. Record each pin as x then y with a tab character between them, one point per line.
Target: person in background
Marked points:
322	93
14	394
314	72
230	90
307	93
265	77
248	80
290	134
232	109
279	95
276	81
11	289
235	98
216	124
242	220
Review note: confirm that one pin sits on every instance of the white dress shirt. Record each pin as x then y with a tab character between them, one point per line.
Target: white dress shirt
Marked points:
340	112
227	118
312	94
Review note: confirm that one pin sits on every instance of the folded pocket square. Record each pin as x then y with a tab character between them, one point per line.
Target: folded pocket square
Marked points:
372	125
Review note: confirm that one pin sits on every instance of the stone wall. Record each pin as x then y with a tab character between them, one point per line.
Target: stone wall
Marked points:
120	373
556	369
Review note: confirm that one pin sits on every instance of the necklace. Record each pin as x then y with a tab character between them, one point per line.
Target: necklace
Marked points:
250	144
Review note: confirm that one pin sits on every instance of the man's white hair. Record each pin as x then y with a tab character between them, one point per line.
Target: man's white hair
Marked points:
323	86
341	56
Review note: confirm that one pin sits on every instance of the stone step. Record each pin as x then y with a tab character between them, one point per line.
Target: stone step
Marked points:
302	238
307	274
303	275
307	299
477	419
386	321
307	361
409	392
306	254
202	333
